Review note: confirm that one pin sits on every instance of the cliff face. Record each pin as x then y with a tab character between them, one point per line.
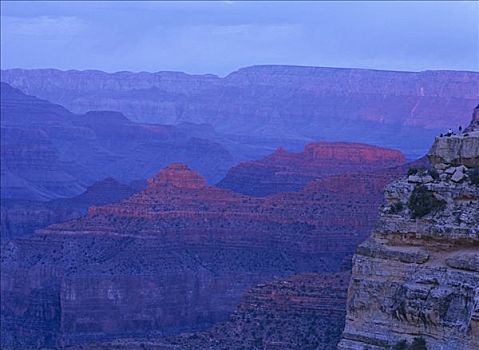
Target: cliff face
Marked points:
418	273
305	311
475	120
285	171
306	103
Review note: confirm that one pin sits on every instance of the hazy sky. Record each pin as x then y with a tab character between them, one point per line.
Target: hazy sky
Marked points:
219	37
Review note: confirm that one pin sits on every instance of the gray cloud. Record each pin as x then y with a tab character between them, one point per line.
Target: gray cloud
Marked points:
219	37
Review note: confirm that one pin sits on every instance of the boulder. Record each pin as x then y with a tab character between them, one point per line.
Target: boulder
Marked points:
458	176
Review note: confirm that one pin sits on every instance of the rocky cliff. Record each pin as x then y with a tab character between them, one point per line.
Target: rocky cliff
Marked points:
285	171
394	109
417	276
175	257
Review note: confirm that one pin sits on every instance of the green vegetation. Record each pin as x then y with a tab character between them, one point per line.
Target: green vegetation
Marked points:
433	173
396	208
412	171
423	202
402	345
474	176
417	344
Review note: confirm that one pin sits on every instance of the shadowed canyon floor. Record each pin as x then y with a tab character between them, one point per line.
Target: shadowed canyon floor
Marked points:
20	218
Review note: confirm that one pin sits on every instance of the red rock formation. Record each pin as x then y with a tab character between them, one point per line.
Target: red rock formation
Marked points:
178	255
179	176
288	171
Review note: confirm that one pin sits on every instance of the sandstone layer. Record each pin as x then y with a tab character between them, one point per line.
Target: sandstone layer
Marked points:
417	276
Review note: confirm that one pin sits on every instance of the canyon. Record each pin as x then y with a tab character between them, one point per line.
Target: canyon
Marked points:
94	256
48	152
286	104
201	247
417	276
304	311
20	218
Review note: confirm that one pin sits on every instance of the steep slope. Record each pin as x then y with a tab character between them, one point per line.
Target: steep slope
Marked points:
305	311
394	109
20	218
174	257
417	276
48	152
285	171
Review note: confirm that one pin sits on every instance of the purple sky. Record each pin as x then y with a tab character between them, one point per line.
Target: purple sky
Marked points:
219	37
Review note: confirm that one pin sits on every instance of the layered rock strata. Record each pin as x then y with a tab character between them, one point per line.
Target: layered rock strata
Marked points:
305	311
174	257
47	152
417	276
285	171
20	218
393	109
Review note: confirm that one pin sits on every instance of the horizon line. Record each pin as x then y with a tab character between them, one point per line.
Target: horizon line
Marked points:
237	70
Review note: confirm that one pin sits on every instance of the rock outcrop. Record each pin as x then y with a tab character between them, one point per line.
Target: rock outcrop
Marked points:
285	171
417	275
458	149
475	120
394	109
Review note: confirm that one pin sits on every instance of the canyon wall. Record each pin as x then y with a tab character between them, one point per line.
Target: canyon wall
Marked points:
48	152
304	311
417	276
402	110
20	218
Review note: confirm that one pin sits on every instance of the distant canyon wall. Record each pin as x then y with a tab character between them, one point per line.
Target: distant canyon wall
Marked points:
291	102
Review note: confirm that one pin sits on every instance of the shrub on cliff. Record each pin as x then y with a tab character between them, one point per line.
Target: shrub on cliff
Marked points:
402	345
474	176
396	208
423	202
412	171
433	173
417	344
